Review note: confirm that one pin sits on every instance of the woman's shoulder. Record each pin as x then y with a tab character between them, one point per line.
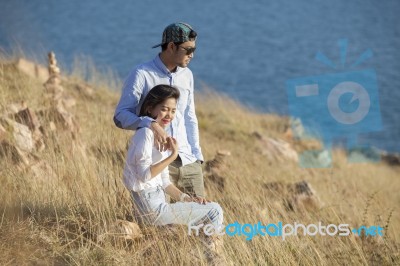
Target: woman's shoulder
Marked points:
144	133
142	138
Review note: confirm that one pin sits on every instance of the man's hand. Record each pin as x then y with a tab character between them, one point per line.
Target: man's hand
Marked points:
160	137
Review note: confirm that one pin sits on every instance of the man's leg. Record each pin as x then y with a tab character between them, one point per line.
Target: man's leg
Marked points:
192	179
188	178
174	171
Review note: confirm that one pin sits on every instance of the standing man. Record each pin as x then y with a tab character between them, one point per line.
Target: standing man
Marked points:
169	67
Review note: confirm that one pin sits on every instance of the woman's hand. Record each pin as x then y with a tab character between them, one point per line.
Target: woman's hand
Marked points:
157	168
172	146
188	199
160	137
200	200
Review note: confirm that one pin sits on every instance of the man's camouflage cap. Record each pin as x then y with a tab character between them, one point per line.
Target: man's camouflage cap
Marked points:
176	32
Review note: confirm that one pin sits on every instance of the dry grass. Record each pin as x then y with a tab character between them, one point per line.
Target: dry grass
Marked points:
56	219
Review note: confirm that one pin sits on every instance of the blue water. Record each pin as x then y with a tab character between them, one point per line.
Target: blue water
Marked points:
245	49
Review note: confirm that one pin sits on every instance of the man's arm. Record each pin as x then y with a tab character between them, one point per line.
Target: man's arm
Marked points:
191	124
125	114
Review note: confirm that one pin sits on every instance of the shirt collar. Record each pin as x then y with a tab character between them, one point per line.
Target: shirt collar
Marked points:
160	65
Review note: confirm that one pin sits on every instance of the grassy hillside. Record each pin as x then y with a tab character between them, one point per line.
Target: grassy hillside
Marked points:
55	206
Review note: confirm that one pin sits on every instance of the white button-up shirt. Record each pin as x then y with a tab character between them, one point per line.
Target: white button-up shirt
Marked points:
141	156
185	125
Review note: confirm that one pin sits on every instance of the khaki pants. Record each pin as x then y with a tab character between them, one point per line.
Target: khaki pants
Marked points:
188	178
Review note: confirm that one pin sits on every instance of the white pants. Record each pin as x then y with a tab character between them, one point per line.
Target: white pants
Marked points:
152	208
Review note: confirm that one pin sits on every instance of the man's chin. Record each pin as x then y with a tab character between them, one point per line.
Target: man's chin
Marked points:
184	65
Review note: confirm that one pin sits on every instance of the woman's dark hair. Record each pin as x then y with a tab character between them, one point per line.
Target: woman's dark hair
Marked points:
157	95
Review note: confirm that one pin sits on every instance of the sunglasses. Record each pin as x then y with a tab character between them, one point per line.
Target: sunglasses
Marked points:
189	50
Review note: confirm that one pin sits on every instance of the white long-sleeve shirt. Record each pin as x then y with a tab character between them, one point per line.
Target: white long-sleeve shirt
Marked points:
139	82
141	155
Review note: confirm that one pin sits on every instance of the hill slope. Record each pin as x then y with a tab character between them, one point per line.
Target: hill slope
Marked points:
60	194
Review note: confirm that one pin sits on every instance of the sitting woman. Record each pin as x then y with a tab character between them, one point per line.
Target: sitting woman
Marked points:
146	173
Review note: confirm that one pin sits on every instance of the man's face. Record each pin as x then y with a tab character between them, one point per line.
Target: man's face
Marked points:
181	57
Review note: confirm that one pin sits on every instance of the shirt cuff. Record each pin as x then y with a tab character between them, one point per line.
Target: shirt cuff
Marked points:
146	122
199	156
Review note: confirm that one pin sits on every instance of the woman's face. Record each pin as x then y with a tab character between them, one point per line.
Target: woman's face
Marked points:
164	112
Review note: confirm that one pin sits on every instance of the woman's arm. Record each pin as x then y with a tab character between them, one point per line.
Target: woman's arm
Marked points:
139	159
157	168
176	194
